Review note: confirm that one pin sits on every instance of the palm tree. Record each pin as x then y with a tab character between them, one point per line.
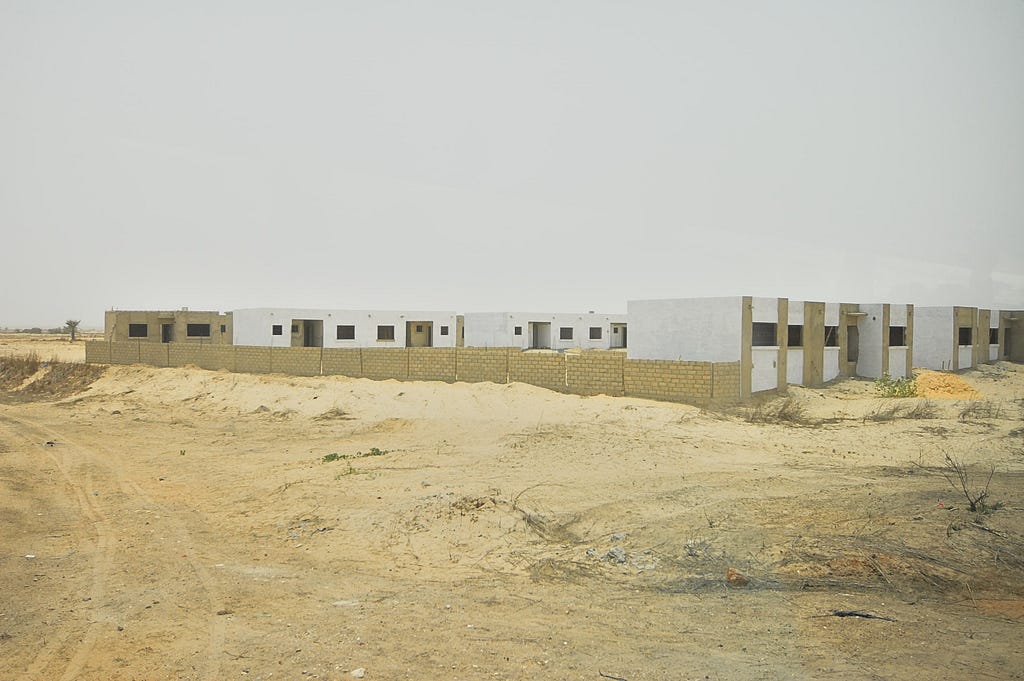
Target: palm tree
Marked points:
72	325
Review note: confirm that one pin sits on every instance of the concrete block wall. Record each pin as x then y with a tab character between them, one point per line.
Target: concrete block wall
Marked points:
726	385
673	381
97	352
432	364
252	359
595	373
543	369
296	361
589	372
213	357
343	362
475	365
384	363
125	353
154	354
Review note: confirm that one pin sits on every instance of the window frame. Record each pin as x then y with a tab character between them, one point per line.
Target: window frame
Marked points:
133	328
340	332
386	338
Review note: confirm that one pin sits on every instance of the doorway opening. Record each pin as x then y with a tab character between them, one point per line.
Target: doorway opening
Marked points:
419	334
167	333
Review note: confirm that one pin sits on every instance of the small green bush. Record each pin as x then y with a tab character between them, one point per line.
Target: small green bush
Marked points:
887	386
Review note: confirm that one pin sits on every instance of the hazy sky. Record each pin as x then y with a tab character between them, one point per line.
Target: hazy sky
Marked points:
483	155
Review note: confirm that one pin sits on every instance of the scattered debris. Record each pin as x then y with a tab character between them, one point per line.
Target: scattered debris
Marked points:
858	613
358	673
616	555
736	578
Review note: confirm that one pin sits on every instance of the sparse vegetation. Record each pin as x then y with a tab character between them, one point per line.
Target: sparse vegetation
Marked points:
980	409
887	386
955	472
788	411
886	412
334	456
924	409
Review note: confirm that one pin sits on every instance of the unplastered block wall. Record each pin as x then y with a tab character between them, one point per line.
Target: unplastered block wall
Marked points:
253	360
384	363
475	365
726	385
595	372
97	352
583	372
544	369
432	364
343	362
668	380
215	357
296	361
117	322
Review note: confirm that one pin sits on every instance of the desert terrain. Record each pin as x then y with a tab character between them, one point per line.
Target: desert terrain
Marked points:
189	524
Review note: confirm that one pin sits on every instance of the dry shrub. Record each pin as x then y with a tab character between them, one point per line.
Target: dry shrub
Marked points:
886	412
788	411
980	409
924	409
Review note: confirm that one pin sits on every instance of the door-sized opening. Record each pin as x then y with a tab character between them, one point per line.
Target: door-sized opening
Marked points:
852	344
167	333
307	333
618	336
419	334
540	335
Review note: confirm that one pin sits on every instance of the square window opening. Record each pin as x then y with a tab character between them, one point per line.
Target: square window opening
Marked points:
518	331
595	333
277	329
764	334
385	333
138	330
444	330
223	328
831	336
565	333
795	336
897	336
346	332
965	336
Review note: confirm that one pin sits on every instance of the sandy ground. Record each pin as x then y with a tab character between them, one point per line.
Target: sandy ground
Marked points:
183	524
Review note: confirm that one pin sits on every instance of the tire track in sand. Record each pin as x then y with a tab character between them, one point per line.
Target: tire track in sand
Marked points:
68	454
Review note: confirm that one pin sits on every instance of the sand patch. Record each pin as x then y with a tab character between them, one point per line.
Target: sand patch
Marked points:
943	386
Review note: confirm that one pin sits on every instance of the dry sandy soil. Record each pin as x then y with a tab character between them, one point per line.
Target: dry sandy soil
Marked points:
184	524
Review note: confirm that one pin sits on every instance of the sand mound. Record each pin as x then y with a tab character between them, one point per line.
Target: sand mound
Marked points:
943	386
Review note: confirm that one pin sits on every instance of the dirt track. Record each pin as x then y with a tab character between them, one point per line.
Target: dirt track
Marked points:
184	525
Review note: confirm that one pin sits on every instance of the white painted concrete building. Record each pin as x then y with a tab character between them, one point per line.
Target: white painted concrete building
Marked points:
285	327
944	337
728	329
545	330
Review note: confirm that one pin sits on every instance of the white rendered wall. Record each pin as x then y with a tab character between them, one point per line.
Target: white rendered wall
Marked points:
764	373
993	323
898	362
933	338
869	329
830	368
255	326
795	356
487	330
897	316
497	329
831	314
765	310
795	366
965	354
693	329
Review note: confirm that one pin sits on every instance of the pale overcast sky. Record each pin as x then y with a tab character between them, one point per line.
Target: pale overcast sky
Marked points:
540	155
